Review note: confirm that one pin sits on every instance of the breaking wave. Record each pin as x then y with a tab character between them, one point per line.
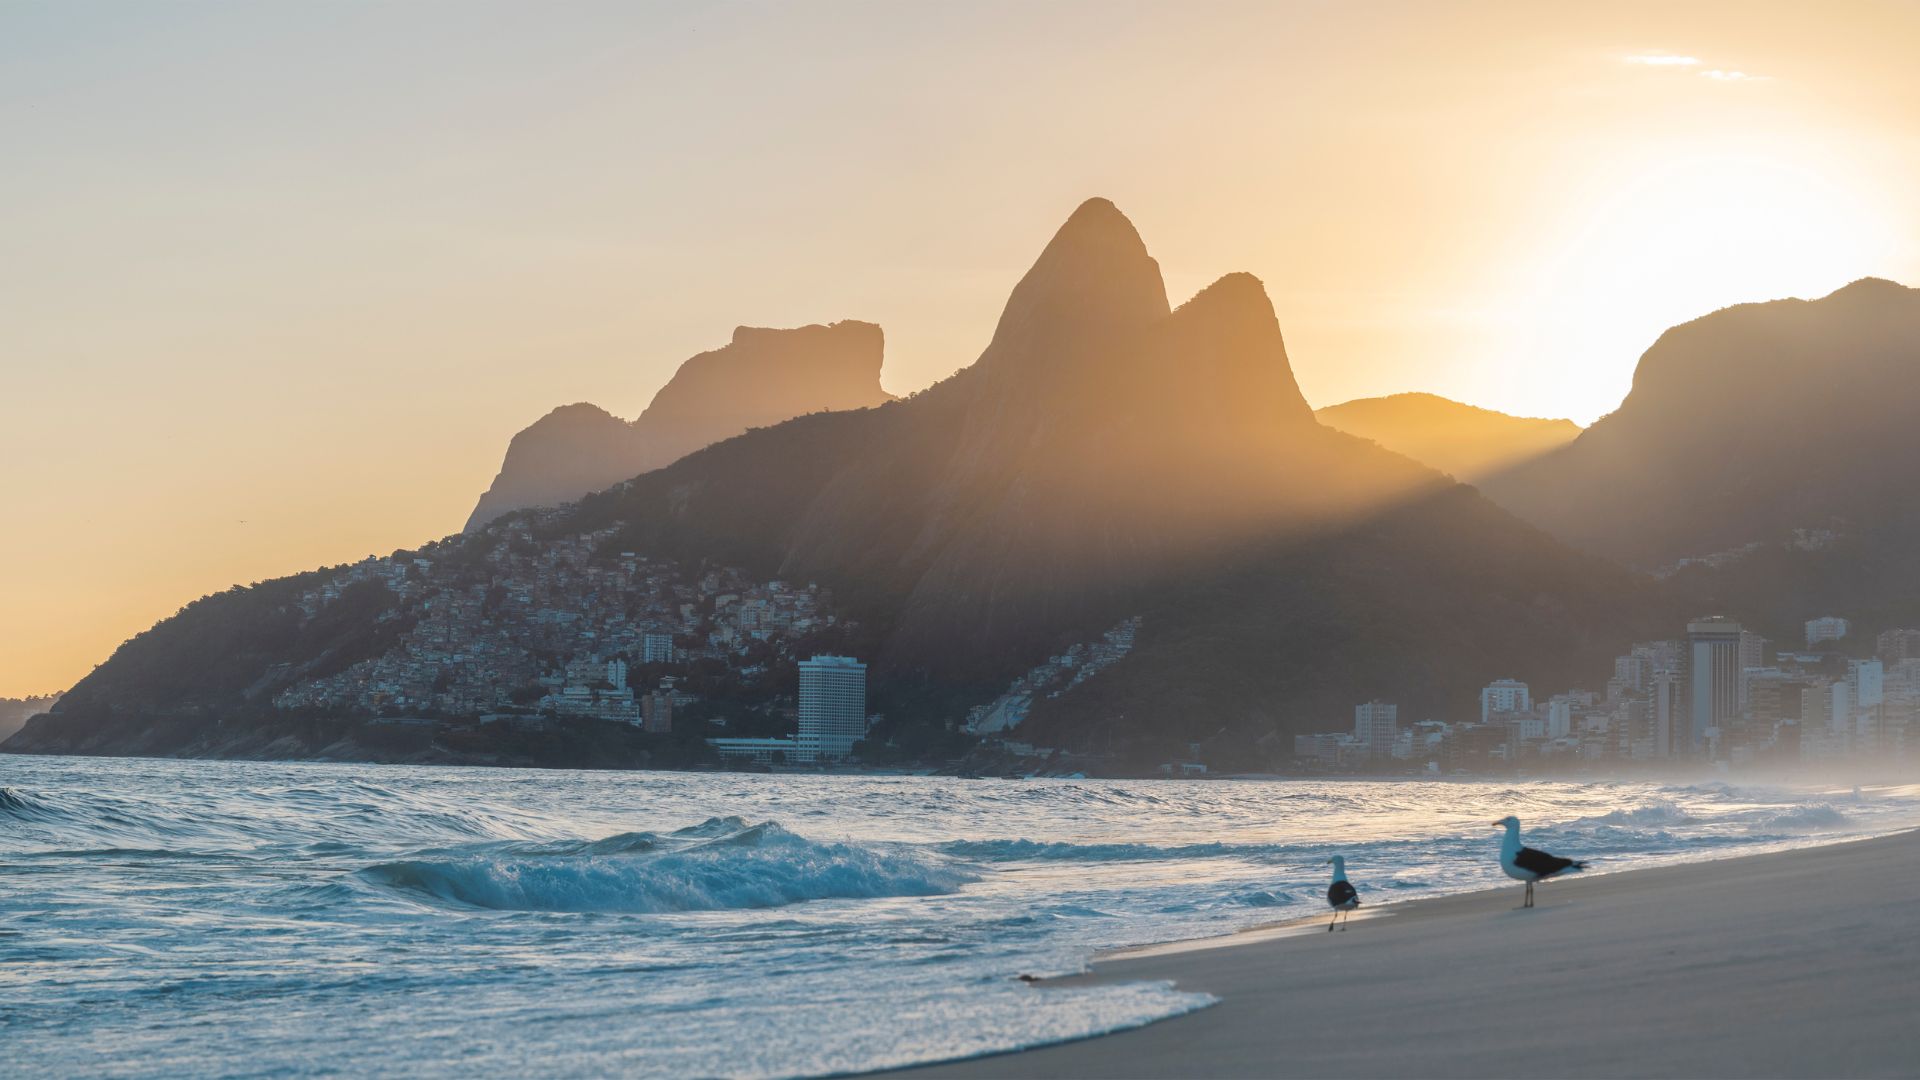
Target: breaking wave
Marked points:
722	864
1654	815
20	806
1033	850
1814	817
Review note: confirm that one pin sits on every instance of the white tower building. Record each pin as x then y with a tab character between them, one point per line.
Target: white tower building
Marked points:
1375	725
833	707
1504	696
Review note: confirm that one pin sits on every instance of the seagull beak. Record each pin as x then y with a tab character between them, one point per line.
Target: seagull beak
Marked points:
1499	824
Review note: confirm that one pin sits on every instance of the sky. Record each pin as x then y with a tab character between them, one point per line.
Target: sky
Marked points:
279	281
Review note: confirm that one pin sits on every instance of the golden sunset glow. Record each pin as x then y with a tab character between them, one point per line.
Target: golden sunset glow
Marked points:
278	285
1684	233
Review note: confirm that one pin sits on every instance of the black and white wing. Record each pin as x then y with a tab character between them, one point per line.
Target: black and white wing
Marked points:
1540	864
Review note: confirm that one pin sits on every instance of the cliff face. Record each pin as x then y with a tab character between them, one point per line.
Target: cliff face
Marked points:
1464	441
760	378
1742	427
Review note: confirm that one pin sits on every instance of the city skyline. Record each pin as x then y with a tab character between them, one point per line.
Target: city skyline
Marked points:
1721	696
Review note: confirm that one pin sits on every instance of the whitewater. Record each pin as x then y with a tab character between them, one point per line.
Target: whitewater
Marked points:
166	918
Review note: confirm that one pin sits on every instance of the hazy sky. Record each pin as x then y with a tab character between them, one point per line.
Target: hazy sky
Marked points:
279	280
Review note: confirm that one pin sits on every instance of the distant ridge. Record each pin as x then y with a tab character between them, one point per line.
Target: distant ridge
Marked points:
761	377
15	711
1465	441
1744	426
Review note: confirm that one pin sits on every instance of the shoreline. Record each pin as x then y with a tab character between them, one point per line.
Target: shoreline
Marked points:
465	760
1782	963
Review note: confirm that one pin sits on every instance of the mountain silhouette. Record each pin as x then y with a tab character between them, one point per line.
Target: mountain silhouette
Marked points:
15	711
761	377
1108	456
1464	441
1742	427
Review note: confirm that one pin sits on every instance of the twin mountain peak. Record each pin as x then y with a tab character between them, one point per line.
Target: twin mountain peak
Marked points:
1088	328
1109	455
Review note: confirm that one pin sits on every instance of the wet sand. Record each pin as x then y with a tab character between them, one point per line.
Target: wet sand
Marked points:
1800	963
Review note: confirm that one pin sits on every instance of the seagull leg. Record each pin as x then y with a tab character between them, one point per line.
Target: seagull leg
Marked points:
1529	902
1336	918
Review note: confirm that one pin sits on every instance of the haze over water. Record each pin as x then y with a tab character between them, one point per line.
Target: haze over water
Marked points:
162	918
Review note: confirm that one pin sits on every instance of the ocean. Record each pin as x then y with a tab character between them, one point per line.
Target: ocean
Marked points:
169	918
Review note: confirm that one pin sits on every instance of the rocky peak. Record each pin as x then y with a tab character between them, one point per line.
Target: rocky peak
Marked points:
764	376
761	377
1224	354
1092	286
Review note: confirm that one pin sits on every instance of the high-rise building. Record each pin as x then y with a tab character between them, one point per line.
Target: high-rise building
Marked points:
617	673
1635	729
1841	712
1866	683
1713	681
1769	698
1893	646
1672	731
1559	716
656	648
1753	656
1375	725
1869	679
833	707
1504	696
656	709
1900	712
1816	707
1829	628
1818	739
1631	672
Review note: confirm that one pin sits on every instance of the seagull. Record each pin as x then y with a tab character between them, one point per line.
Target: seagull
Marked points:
1526	864
1341	895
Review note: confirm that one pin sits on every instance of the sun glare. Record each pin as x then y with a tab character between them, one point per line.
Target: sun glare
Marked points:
1673	241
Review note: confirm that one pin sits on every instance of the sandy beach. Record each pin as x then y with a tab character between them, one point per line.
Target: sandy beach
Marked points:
1800	963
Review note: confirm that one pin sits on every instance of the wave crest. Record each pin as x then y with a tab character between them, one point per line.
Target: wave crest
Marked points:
1652	815
1062	851
722	864
15	803
1813	817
